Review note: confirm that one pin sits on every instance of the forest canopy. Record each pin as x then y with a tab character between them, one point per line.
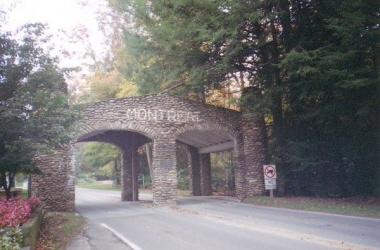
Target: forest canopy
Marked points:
311	67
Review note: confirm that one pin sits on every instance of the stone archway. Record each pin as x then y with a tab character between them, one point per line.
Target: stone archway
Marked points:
164	120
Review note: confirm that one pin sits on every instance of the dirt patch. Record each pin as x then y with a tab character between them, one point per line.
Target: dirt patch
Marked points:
58	229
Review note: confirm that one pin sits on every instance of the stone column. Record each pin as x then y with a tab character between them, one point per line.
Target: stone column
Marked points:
164	171
129	179
254	152
126	175
135	168
239	163
205	161
194	170
254	136
56	187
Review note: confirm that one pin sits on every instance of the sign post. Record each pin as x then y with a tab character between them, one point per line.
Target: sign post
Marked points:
270	176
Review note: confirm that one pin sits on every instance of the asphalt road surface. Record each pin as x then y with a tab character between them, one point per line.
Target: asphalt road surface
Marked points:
213	223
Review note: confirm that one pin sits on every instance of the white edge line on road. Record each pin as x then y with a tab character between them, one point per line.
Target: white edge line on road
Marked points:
121	237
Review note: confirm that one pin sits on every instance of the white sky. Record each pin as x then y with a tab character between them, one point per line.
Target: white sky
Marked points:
67	20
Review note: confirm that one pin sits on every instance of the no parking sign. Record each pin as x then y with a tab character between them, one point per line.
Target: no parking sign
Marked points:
270	176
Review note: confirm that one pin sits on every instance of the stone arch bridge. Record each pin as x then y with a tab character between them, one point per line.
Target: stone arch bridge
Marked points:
166	121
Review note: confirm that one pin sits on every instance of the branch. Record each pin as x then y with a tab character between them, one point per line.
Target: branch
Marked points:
172	87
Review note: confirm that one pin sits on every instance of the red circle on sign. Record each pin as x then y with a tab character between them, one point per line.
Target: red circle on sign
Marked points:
270	171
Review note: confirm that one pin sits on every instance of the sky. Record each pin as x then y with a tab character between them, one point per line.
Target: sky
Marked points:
72	24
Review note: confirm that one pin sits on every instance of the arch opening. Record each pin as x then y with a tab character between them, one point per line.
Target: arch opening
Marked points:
128	143
210	164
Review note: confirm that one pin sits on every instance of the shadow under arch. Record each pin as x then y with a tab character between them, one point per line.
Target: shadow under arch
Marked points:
199	142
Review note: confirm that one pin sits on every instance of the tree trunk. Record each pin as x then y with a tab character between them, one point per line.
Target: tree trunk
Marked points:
4	184
116	170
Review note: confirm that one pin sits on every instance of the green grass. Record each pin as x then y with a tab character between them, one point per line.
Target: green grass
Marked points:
97	185
356	206
24	193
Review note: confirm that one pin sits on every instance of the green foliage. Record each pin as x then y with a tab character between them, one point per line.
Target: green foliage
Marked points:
11	240
182	169
101	160
106	85
223	178
145	181
331	105
173	42
34	109
183	179
312	68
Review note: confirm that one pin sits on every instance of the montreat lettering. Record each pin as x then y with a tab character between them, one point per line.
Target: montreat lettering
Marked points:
158	115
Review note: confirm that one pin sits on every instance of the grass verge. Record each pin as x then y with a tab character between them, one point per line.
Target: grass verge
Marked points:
356	206
58	229
98	185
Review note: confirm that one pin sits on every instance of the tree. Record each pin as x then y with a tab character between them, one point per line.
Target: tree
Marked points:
332	114
172	42
102	160
104	82
312	68
34	110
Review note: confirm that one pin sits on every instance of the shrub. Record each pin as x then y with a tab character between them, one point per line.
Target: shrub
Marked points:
15	212
33	202
11	240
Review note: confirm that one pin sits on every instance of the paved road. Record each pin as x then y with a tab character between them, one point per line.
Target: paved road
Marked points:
214	223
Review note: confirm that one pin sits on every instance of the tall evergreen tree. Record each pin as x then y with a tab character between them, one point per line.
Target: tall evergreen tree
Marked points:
313	69
332	114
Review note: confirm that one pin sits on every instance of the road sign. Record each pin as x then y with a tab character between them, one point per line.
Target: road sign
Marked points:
270	172
270	184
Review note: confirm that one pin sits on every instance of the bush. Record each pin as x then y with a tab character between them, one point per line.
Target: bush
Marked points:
11	240
15	212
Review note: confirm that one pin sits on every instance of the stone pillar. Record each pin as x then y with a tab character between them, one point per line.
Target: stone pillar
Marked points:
56	187
239	171
129	179
164	171
126	175
205	161
255	156
135	168
194	170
